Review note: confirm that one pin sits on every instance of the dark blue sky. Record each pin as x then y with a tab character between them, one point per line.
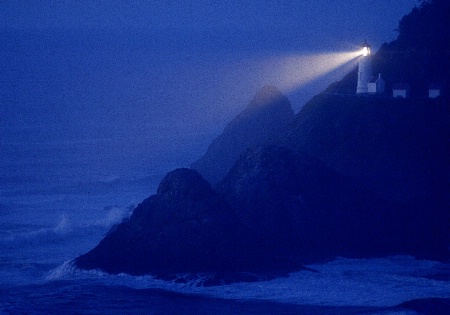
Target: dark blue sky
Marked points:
326	20
152	80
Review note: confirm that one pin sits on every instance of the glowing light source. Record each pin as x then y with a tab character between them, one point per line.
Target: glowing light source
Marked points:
365	49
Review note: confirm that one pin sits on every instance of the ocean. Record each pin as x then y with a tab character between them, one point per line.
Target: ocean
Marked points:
88	129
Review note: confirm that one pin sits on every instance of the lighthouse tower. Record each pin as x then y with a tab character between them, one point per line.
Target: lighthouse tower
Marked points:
364	69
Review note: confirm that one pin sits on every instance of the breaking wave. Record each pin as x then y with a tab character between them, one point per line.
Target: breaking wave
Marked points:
379	282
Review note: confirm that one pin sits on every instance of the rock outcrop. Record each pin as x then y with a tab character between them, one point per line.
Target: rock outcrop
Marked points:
397	147
263	122
301	210
274	211
185	227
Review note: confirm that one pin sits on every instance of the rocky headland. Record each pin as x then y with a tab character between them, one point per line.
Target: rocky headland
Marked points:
264	121
354	176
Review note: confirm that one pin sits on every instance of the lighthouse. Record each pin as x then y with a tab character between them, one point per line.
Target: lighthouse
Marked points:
364	69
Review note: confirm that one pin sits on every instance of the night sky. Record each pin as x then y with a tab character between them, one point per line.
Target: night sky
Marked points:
320	23
134	75
329	22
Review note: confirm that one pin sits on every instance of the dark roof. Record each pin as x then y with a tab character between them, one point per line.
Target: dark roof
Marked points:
435	86
373	79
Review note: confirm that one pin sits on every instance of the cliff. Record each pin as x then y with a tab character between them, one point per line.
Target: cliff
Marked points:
185	226
357	176
397	147
264	121
274	211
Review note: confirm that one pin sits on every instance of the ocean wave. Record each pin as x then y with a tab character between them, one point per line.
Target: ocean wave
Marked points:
382	282
65	228
30	236
114	215
68	270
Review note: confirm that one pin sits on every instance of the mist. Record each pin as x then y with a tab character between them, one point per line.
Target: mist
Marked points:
99	100
130	102
126	90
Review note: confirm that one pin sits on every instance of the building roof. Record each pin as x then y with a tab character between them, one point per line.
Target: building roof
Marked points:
435	86
374	79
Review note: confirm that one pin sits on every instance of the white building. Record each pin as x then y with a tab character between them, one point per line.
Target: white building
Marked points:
434	90
400	90
364	70
376	85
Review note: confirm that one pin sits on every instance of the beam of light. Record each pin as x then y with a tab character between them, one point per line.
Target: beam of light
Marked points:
292	72
299	76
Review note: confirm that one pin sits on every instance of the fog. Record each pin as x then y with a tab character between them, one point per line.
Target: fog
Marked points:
133	100
126	89
100	99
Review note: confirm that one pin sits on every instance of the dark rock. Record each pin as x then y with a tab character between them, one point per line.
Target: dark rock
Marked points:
264	121
428	306
184	183
188	227
299	210
284	199
274	211
263	187
397	147
185	227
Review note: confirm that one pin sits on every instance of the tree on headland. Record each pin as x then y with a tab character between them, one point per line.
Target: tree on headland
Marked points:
426	27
